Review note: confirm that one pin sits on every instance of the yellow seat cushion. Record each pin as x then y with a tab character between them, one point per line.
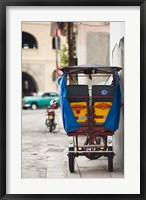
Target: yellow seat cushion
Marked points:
101	110
80	111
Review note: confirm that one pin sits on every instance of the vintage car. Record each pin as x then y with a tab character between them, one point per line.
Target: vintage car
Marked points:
40	100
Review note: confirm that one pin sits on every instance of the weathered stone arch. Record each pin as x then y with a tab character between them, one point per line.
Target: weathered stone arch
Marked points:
29	85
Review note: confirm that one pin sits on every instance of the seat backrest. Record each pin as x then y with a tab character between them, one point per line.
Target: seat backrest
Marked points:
78	97
77	93
102	93
102	97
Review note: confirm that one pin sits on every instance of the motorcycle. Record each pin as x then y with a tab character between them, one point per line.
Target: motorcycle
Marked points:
50	116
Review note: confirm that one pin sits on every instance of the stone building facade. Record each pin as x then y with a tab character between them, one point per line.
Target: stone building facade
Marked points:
38	58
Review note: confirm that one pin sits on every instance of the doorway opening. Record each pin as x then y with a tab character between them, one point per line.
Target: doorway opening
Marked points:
29	85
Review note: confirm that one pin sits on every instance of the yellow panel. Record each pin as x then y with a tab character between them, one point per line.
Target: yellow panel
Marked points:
80	111
101	110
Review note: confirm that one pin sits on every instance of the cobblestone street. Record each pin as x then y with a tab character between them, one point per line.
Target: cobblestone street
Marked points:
44	154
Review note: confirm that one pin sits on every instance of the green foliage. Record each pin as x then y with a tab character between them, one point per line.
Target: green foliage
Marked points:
64	56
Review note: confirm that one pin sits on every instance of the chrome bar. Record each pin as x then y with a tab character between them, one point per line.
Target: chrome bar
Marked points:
90	146
90	152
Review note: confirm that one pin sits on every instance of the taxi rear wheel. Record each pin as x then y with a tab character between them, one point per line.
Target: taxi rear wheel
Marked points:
110	160
71	158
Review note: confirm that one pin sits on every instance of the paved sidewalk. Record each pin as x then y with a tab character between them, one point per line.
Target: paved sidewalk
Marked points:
84	168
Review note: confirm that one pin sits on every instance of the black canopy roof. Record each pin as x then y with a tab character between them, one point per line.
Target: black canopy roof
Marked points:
90	69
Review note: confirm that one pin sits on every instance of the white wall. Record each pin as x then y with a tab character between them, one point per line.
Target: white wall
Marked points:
117	30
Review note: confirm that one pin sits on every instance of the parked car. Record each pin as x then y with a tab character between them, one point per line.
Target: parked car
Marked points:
40	100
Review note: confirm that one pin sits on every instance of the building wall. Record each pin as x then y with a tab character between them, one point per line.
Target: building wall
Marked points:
37	71
93	45
40	63
117	59
93	38
98	45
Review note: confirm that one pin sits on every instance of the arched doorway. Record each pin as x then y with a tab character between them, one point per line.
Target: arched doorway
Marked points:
29	85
